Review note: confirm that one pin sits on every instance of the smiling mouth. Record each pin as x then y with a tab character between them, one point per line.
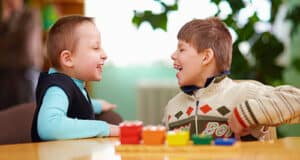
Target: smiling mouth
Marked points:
99	66
178	67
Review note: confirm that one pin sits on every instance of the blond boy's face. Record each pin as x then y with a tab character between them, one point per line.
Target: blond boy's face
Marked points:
88	56
188	62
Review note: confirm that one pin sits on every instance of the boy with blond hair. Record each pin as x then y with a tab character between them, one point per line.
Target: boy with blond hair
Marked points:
64	108
209	97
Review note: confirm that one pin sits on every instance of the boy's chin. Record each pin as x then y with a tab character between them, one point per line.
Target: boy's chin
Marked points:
183	83
180	83
98	79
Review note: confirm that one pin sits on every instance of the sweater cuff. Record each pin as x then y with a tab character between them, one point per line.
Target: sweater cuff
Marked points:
239	118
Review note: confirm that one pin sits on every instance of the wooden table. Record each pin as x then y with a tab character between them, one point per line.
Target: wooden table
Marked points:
104	149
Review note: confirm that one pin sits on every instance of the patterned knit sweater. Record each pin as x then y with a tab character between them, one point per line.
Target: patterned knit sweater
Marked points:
254	103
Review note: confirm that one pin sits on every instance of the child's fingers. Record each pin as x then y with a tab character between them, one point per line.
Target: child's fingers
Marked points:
237	137
113	106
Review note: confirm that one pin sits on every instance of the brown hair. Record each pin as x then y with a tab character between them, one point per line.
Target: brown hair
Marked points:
209	33
62	37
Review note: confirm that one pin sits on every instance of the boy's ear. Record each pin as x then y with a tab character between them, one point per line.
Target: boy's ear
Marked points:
66	58
208	56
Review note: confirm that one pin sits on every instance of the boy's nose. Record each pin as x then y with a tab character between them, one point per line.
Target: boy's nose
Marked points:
103	55
173	56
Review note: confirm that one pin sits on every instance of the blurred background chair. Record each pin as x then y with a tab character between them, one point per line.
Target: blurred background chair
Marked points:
110	117
15	123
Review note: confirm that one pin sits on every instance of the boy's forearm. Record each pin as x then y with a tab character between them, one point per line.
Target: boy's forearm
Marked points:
276	108
68	128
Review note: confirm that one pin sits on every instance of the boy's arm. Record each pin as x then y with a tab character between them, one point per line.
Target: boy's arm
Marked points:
276	106
54	124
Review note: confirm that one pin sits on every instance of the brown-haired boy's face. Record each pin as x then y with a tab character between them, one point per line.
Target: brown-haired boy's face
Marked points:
88	56
188	62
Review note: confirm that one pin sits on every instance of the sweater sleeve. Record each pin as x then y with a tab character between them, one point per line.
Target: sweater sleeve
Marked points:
53	123
274	107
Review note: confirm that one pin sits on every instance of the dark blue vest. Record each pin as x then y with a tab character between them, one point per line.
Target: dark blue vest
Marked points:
79	107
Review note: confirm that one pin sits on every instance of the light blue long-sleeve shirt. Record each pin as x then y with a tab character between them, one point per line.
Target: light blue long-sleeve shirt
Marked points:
53	123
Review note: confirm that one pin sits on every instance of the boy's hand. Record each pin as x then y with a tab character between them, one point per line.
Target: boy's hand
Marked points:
236	127
114	130
106	106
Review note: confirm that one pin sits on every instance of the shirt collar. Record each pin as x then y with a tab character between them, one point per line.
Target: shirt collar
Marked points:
79	83
190	89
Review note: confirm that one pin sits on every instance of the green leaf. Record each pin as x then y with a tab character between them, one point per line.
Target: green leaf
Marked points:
240	67
156	20
236	5
275	4
265	50
294	16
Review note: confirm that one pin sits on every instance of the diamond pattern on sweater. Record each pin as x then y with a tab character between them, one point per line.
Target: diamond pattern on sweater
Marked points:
178	114
189	110
223	110
205	108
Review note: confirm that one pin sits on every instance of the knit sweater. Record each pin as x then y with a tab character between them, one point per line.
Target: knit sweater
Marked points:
208	108
271	106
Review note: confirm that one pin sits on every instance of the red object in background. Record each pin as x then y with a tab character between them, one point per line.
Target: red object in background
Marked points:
154	135
130	132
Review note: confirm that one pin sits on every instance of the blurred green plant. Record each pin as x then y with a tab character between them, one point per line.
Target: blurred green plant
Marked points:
49	16
292	71
156	20
261	61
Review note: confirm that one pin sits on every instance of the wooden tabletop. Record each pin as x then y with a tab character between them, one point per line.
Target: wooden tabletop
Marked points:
110	149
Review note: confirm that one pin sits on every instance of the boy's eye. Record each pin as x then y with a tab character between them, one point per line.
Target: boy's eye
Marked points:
181	49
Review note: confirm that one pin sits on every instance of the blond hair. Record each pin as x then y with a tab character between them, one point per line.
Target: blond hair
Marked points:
62	37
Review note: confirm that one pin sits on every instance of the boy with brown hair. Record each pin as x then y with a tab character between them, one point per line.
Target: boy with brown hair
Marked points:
64	108
209	97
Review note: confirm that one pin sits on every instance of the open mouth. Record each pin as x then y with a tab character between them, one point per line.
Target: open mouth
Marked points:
178	67
99	66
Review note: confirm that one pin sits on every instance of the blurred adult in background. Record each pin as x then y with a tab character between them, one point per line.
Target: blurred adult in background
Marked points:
21	55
